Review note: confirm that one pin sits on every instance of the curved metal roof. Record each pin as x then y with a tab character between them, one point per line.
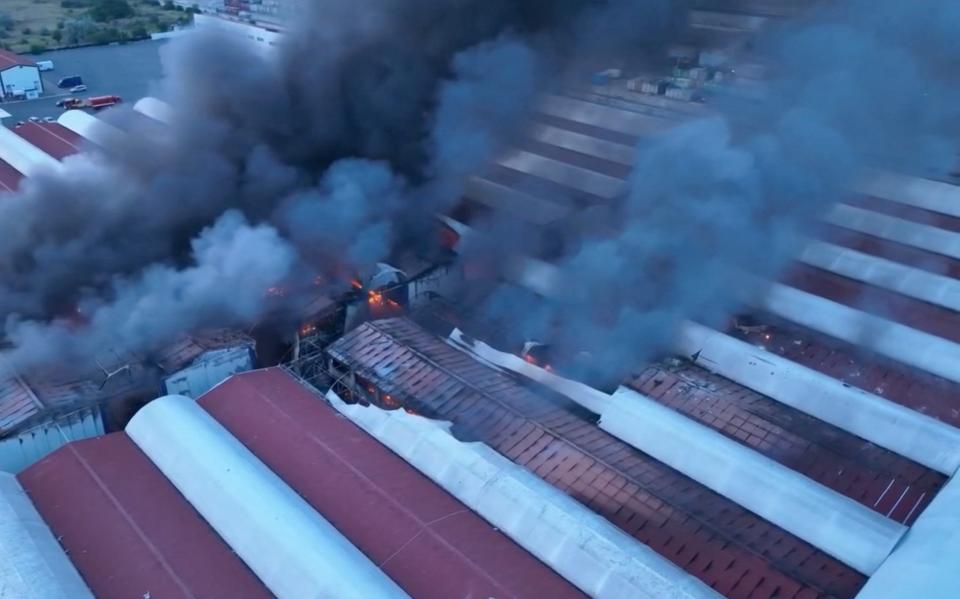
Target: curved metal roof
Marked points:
32	564
291	548
394	514
23	155
89	127
582	546
154	108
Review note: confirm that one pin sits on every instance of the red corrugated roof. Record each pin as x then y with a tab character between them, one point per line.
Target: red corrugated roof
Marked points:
17	402
53	138
128	530
423	538
871	475
9	59
729	548
9	177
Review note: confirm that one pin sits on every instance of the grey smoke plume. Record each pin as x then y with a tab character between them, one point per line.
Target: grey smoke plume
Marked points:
861	82
234	264
347	141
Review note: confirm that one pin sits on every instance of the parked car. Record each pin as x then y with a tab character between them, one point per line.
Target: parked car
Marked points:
45	65
49	119
71	81
34	119
76	89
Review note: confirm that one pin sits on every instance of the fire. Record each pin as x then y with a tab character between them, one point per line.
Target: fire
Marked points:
356	284
529	359
308	329
389	401
375	299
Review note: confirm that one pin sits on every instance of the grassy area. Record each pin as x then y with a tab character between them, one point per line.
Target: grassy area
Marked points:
37	25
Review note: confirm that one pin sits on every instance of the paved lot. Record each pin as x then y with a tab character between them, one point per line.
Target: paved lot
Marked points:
127	70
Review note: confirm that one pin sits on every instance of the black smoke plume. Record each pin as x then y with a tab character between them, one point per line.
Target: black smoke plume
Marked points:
343	143
718	205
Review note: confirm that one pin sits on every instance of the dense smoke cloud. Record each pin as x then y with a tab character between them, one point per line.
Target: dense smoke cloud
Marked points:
233	264
863	82
347	140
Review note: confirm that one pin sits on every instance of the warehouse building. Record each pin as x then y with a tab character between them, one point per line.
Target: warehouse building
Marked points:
221	498
19	77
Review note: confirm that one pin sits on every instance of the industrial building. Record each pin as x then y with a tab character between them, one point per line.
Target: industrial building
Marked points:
220	498
780	455
19	77
42	409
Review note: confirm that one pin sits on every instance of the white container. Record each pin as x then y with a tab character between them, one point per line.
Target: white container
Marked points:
677	93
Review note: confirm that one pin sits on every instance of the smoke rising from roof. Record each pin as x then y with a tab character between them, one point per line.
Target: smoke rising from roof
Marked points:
234	264
861	82
343	144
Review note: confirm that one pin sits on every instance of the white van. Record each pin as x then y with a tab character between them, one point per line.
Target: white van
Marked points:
45	65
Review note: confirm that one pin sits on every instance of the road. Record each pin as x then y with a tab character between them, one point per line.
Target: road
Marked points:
127	70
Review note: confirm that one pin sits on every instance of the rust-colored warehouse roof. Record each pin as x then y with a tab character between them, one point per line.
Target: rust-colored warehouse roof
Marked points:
730	549
128	530
428	542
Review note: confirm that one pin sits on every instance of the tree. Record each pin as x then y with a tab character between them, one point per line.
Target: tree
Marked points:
110	10
78	31
57	35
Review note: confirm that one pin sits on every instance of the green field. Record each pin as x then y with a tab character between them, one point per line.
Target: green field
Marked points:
37	25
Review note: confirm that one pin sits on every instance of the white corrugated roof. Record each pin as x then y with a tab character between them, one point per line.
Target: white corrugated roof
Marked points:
90	127
154	108
23	155
876	419
288	545
32	564
852	532
577	543
924	565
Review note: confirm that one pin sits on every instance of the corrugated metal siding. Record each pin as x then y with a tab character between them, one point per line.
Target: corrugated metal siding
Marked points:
730	549
127	529
396	516
22	450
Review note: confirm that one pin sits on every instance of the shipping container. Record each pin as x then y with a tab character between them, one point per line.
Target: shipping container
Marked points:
678	93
